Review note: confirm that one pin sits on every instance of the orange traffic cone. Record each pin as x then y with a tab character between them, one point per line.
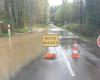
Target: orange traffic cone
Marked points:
75	51
50	56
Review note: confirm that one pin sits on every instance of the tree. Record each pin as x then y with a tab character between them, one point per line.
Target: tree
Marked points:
68	13
53	10
24	12
93	15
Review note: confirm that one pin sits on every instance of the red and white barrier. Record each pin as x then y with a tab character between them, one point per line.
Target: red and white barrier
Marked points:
75	50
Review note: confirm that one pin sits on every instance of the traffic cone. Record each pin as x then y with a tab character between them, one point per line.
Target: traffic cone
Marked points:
75	51
75	44
50	56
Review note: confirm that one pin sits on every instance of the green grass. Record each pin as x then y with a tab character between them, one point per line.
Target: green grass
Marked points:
92	40
22	30
71	26
84	33
4	35
39	26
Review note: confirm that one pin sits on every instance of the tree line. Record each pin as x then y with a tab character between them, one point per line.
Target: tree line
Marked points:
83	12
24	12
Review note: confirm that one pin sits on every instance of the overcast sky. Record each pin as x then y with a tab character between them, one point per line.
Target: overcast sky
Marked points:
56	2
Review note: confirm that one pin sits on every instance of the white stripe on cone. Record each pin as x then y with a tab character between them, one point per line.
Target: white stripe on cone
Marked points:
75	51
75	45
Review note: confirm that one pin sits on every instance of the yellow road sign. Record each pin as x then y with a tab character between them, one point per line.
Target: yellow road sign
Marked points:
50	40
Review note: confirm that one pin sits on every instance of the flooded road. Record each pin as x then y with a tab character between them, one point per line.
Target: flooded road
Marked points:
17	51
64	67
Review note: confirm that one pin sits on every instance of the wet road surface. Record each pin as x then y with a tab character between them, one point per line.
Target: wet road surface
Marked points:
64	67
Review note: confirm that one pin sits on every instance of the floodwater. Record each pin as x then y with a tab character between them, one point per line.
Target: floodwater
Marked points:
17	51
64	67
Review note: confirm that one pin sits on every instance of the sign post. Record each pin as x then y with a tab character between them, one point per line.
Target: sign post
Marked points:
98	41
50	40
9	32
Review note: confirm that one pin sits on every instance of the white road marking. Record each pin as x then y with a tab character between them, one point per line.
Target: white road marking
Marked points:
59	50
68	54
68	63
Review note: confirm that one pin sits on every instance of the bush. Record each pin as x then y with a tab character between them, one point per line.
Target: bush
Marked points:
72	26
22	30
86	30
59	24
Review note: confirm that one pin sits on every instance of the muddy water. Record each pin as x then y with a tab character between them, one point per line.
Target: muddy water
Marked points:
17	51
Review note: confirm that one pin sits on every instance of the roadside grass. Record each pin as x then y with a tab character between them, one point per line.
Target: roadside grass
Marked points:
83	32
22	30
25	29
4	35
71	26
88	39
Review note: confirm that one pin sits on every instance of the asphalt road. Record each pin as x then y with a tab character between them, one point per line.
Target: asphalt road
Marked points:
64	67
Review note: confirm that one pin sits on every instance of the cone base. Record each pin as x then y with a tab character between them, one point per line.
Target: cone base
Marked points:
50	56
76	56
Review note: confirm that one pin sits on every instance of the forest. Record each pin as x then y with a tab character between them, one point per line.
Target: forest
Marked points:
24	13
81	16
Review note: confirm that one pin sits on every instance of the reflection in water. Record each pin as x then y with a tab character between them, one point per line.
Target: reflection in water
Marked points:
75	61
66	43
10	42
17	51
